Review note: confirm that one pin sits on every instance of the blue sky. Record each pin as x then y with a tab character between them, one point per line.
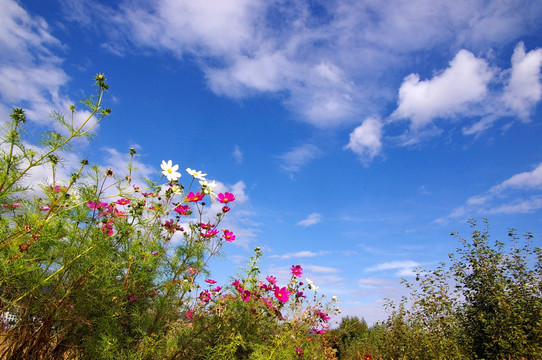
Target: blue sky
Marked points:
356	134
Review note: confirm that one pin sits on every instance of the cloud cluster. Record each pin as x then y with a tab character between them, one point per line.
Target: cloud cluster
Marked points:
336	62
323	56
503	198
366	139
462	90
403	268
310	220
30	72
293	160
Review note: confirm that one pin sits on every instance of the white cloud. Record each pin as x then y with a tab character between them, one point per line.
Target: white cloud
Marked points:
293	160
365	140
404	268
298	254
266	72
524	89
31	74
373	282
237	154
321	269
321	63
213	28
447	94
23	36
518	194
518	206
525	180
310	220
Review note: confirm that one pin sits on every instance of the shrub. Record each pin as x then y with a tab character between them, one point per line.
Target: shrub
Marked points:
486	305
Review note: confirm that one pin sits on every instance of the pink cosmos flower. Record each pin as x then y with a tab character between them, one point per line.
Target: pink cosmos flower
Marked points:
209	233
225	209
297	270
182	209
236	284
322	315
245	295
271	279
282	294
189	314
299	352
228	236
206	226
11	206
123	201
191	197
107	228
217	289
190	270
225	198
120	214
268	302
318	331
210	281
205	296
97	205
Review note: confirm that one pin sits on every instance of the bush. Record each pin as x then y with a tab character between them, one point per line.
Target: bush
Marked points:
486	305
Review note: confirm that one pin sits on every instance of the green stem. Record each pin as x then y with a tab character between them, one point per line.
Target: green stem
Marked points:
77	133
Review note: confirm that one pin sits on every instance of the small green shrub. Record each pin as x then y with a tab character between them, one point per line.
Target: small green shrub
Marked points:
486	305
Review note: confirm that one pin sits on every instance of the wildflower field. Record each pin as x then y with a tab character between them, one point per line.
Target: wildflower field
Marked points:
104	265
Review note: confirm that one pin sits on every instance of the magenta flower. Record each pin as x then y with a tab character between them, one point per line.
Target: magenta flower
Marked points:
271	279
322	315
107	228
282	294
206	226
209	233
120	214
189	314
11	206
318	331
132	298
228	236
225	198
210	281
236	284
297	270
245	295
268	302
182	209
191	271
217	289
97	205
191	197
225	209
299	352
205	296
44	208
123	201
